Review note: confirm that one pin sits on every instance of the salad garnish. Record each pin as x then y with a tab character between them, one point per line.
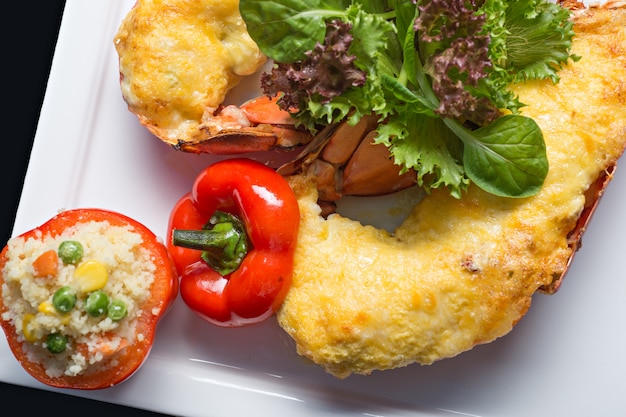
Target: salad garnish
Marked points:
436	73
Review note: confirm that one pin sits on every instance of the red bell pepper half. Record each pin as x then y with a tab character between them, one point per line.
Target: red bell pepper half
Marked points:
233	239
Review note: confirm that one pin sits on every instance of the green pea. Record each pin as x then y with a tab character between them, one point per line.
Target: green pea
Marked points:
64	299
70	252
117	310
97	303
56	342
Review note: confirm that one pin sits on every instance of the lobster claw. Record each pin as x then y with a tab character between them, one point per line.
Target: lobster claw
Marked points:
344	160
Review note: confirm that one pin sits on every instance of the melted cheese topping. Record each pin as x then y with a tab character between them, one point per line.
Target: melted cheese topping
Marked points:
179	58
458	273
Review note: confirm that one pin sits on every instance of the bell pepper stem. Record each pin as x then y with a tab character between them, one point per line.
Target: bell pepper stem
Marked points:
223	240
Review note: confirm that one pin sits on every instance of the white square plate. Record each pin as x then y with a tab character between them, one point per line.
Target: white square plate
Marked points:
565	358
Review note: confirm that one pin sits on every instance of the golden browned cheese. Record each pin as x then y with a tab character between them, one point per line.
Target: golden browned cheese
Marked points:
460	272
179	58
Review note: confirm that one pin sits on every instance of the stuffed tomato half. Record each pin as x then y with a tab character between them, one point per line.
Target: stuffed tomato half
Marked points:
82	295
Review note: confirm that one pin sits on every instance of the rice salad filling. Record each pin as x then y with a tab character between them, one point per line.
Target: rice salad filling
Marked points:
86	310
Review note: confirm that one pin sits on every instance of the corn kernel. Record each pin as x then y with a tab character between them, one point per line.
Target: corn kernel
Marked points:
27	329
47	308
91	275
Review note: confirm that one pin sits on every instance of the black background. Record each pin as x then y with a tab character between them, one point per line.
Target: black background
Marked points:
29	36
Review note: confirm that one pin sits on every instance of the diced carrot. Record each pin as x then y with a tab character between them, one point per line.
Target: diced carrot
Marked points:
46	264
108	350
104	346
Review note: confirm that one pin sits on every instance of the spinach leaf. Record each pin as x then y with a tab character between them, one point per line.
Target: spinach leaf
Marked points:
288	28
507	157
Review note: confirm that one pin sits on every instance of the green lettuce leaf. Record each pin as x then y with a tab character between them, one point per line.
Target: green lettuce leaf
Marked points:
437	76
